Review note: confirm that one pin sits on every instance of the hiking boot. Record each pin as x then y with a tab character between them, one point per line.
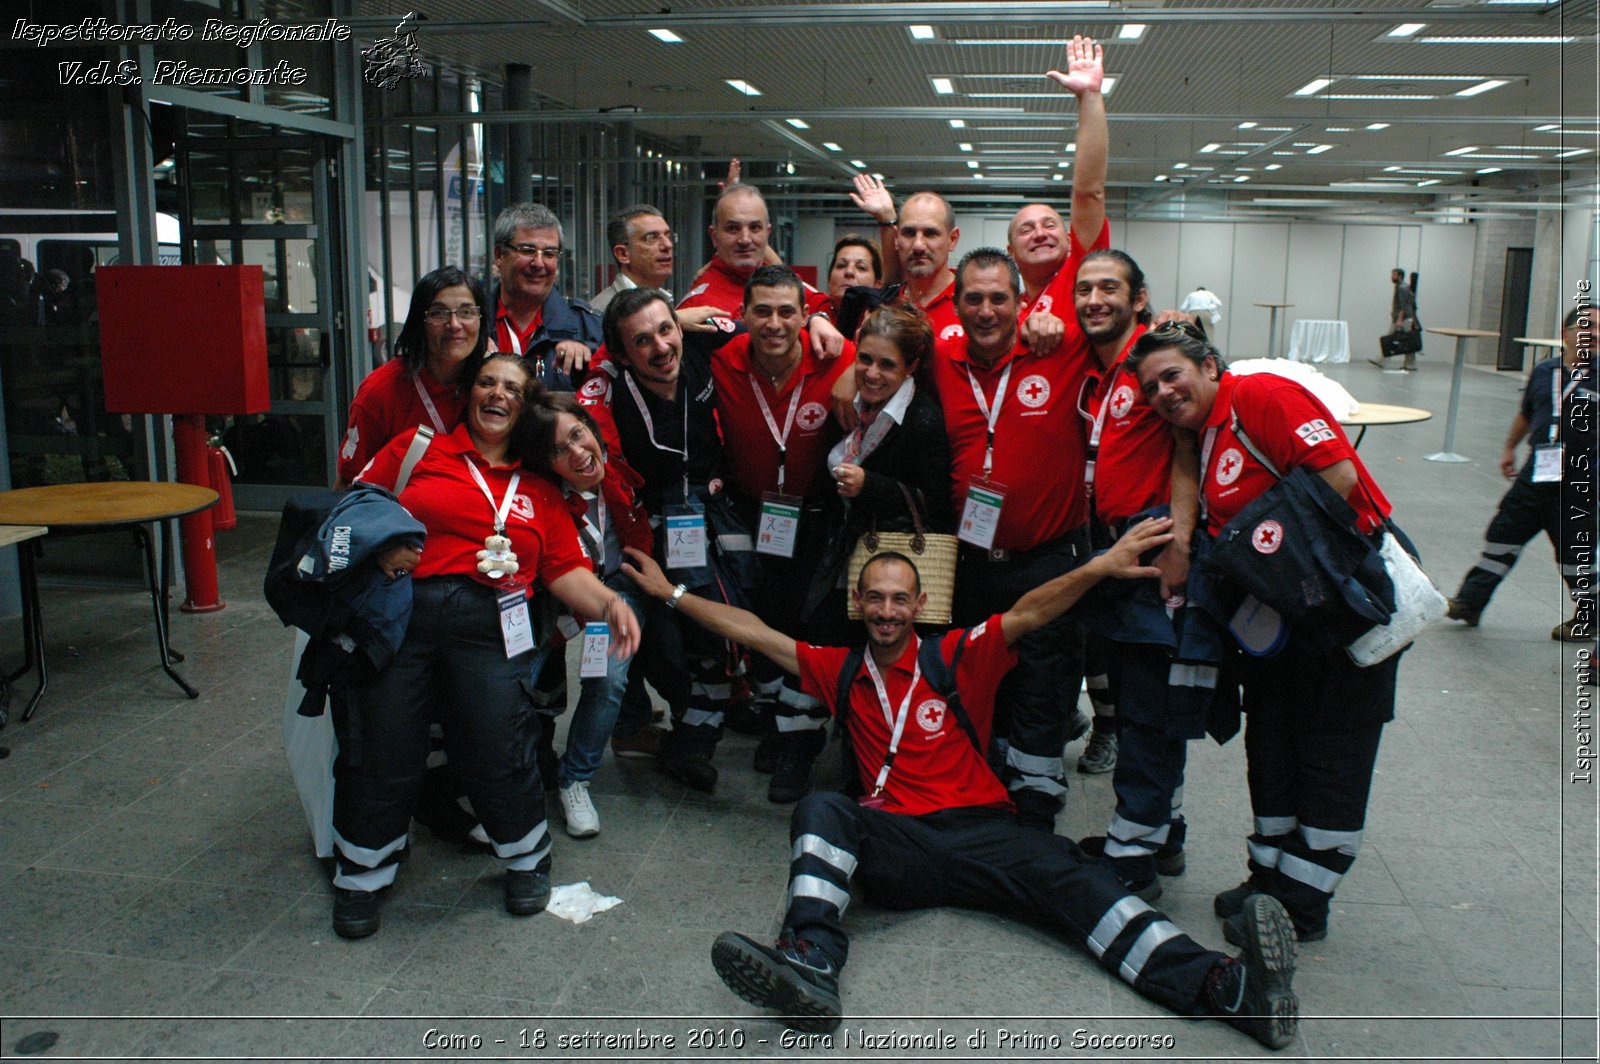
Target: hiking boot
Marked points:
1574	630
583	820
791	780
646	742
689	770
527	892
793	977
1457	610
1253	991
1170	860
768	752
1233	931
1100	755
355	912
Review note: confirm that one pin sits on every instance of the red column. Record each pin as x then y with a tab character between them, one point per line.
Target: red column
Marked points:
199	546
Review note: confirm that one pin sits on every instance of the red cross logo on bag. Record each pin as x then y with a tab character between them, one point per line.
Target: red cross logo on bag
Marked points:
1267	537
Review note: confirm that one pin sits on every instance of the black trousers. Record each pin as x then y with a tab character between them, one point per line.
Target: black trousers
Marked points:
1566	517
1037	699
981	859
452	664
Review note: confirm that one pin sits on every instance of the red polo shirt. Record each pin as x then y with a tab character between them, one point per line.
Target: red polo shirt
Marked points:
942	315
936	766
721	287
1057	296
505	329
387	404
445	498
1133	468
1039	437
1292	428
752	449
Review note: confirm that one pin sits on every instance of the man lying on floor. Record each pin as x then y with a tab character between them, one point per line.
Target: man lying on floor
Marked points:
935	827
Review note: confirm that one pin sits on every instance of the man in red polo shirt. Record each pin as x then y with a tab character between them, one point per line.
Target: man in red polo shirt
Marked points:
772	402
1017	458
917	244
932	828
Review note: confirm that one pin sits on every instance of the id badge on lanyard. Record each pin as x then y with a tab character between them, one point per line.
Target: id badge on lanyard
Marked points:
780	524
596	643
1547	463
516	627
686	537
980	517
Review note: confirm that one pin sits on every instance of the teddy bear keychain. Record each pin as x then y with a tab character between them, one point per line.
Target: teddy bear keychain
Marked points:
497	559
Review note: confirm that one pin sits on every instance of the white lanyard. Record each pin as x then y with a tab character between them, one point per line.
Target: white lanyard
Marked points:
504	506
1558	395
1205	466
650	426
782	439
896	721
1099	423
992	415
516	342
427	404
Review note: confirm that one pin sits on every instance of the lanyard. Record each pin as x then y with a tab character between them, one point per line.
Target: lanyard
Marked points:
650	425
516	345
1205	467
504	506
992	415
1558	395
594	532
427	404
782	439
896	721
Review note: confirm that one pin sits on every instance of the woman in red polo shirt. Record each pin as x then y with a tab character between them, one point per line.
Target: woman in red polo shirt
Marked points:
1314	717
493	529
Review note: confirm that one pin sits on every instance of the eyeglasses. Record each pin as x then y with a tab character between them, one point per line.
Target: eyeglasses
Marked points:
652	239
1176	328
534	251
439	315
576	439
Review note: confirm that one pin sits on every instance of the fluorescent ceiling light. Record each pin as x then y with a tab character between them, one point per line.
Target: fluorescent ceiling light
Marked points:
1406	29
1247	125
741	85
972	164
1430	172
943	86
1311	88
1391	169
1490	170
831	146
1159	177
1570	154
1546	128
1062	165
1273	166
1337	129
1180	166
1425	184
1241	179
1017	166
965	146
1375	126
1319	149
798	123
1495	40
880	177
1462	151
666	36
1108	83
1377	96
958	123
1482	87
1209	148
920	33
1569	132
858	164
1131	31
1057	177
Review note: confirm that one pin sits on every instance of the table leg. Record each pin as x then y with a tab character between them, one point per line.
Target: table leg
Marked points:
157	604
1272	332
1356	446
1448	454
32	626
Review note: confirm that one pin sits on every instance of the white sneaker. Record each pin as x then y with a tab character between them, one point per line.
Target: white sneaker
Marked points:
583	820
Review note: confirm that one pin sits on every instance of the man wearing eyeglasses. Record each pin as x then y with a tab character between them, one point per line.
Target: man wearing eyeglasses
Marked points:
642	244
531	317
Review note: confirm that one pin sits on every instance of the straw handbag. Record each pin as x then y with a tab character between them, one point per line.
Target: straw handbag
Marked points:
933	553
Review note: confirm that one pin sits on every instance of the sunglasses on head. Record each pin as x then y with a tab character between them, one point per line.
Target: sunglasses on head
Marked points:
1176	328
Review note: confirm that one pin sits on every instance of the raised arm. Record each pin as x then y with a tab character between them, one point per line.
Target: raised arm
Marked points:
873	198
741	626
1050	600
1083	77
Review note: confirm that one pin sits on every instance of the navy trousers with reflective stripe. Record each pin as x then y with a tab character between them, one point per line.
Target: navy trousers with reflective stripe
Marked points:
1525	510
981	859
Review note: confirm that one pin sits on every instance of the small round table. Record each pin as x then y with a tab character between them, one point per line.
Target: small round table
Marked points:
1372	414
1272	325
70	509
1461	338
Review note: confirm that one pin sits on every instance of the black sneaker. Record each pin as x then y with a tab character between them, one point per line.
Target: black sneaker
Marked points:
527	892
1170	861
1457	610
355	912
1253	991
793	977
691	771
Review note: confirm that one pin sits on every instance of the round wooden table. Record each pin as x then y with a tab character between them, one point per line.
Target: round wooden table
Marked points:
1372	414
68	509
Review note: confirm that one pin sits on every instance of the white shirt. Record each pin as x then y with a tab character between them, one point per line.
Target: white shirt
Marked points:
1202	302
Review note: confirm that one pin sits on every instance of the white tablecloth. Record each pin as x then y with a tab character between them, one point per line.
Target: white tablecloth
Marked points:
1319	341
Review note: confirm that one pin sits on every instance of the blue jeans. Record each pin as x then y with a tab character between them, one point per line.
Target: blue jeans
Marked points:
599	700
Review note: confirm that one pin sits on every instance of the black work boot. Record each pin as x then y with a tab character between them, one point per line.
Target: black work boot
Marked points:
1254	990
797	752
792	976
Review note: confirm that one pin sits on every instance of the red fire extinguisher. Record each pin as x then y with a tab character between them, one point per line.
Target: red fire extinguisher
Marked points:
222	470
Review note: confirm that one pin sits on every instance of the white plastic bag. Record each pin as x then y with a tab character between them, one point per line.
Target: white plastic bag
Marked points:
1417	604
311	747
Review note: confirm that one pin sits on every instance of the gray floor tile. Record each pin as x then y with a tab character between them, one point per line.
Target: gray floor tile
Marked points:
133	842
190	923
32	827
301	941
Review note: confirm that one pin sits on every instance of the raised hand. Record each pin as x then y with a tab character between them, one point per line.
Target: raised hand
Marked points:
1085	67
872	197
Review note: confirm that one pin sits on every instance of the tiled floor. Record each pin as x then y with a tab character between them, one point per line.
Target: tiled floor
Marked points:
161	900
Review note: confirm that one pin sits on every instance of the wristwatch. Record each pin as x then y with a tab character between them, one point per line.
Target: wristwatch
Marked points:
678	592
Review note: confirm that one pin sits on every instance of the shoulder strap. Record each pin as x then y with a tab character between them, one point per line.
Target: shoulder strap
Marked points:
942	678
1249	445
847	675
414	453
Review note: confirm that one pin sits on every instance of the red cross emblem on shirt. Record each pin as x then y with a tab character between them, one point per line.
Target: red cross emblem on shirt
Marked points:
1034	391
